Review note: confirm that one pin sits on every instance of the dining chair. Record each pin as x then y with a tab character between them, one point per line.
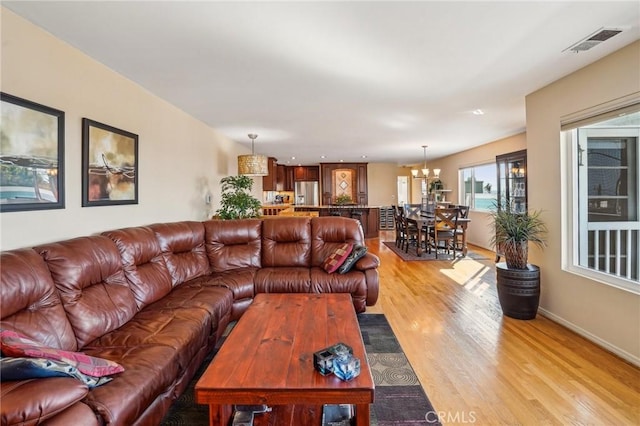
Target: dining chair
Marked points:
356	213
334	211
428	208
397	218
442	235
406	232
412	209
410	232
463	213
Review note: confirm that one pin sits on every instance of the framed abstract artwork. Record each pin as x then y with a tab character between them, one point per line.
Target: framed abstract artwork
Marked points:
109	165
31	155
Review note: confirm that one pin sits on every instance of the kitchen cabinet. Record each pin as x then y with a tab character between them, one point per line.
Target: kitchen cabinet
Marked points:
280	177
306	173
269	182
356	180
288	179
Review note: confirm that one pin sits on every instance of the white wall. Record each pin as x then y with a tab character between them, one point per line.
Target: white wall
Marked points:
601	312
180	158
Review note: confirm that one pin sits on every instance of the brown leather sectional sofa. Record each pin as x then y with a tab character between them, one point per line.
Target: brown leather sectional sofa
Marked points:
156	299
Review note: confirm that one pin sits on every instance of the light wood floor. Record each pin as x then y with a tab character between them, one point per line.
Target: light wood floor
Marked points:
478	366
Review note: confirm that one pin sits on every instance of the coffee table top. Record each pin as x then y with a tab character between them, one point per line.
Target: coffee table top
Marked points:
268	356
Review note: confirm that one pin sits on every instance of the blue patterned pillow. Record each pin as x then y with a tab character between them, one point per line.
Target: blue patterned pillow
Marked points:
33	368
356	254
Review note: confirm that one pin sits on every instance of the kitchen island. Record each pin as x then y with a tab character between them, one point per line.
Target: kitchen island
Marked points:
368	216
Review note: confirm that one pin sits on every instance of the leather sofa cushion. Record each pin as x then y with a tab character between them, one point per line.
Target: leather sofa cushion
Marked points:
352	282
29	303
180	329
35	400
287	242
77	414
283	280
238	281
149	371
233	244
199	294
95	293
182	245
143	263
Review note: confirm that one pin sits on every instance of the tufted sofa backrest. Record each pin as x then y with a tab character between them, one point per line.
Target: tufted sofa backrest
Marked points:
329	232
182	246
29	302
286	242
233	244
88	274
143	263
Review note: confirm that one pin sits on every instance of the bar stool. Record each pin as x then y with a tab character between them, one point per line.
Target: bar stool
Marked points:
356	214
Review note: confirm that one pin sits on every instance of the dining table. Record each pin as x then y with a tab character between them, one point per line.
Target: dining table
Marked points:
424	221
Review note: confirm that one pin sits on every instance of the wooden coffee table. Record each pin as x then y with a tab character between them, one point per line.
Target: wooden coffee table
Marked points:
268	359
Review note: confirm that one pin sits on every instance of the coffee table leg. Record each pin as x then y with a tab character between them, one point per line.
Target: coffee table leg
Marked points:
219	415
362	414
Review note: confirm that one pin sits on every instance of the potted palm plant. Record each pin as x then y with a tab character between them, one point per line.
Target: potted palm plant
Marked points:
518	282
237	202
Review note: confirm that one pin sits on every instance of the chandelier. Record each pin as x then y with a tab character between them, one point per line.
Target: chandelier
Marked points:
425	170
253	165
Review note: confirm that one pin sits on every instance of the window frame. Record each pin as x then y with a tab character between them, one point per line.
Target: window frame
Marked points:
570	194
461	186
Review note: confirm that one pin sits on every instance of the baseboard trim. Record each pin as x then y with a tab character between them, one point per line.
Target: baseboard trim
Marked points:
592	337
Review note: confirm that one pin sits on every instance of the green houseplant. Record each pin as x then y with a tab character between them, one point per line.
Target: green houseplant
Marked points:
343	199
518	282
435	185
514	231
237	202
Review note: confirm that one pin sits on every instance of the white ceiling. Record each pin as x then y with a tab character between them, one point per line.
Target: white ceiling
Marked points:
343	79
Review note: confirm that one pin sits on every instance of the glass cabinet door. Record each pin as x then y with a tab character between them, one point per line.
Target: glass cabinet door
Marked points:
512	180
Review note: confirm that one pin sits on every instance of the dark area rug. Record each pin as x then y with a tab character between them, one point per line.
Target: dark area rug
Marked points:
442	255
399	398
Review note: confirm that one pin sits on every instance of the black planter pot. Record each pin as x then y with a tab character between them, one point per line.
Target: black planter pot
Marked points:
518	291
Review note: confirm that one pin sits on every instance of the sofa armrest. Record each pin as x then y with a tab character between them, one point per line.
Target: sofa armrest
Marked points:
369	265
368	261
35	400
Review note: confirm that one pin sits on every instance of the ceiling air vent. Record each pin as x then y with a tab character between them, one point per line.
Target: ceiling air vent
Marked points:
593	40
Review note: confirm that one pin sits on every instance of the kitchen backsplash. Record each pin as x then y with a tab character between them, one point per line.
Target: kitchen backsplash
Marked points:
277	197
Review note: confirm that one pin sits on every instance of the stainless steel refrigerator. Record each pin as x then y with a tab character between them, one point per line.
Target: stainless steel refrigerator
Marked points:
306	193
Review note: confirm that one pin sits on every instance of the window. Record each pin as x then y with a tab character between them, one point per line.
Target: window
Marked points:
477	186
603	197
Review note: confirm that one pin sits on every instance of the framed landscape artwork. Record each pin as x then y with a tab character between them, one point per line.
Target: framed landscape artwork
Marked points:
109	165
31	155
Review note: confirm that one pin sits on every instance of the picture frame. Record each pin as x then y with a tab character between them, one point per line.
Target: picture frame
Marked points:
31	155
109	165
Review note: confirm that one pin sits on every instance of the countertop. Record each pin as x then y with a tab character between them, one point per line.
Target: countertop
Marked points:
348	206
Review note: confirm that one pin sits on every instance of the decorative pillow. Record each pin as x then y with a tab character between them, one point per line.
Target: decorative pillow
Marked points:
33	368
16	345
335	259
355	255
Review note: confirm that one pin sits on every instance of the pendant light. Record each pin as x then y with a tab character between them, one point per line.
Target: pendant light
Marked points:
425	170
253	165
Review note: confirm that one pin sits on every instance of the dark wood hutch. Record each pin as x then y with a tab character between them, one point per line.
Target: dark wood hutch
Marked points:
355	174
